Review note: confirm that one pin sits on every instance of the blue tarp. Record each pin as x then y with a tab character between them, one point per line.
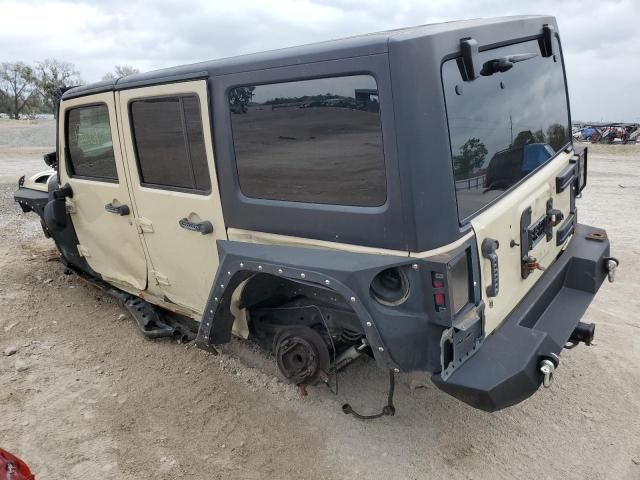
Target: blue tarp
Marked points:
534	155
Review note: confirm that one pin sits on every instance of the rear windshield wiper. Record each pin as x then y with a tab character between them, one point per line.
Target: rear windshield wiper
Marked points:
503	64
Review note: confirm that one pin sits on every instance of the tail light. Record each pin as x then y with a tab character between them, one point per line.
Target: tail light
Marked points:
452	290
460	284
439	297
440	301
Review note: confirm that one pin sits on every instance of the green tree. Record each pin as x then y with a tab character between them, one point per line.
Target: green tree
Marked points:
120	71
527	136
240	98
539	137
523	138
472	155
557	135
52	75
17	88
4	102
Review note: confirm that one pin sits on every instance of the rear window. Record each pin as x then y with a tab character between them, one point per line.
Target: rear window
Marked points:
316	141
504	125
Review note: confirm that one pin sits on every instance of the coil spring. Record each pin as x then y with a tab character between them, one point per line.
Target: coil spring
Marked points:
349	336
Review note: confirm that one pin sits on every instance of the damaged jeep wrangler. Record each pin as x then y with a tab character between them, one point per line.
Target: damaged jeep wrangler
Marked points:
408	195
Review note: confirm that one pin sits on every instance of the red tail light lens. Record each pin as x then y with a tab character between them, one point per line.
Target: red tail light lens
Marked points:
439	298
439	301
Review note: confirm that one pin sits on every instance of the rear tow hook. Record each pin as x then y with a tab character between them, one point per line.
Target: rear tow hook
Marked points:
584	332
611	263
547	368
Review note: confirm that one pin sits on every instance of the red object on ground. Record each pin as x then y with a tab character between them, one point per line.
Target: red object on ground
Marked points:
12	468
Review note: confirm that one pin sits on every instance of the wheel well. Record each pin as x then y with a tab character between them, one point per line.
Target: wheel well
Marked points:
274	302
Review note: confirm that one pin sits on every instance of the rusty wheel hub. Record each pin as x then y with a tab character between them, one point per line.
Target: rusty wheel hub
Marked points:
302	355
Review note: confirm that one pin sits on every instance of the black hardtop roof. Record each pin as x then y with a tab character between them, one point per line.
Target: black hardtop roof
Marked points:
367	44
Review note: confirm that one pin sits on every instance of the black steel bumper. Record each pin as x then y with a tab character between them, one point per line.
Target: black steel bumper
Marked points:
505	370
31	200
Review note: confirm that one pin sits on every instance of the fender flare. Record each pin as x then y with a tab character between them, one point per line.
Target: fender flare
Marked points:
348	274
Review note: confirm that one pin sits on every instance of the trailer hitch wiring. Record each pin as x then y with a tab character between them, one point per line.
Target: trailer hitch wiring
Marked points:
387	410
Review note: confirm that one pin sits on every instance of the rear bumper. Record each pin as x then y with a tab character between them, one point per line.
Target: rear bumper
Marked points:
505	370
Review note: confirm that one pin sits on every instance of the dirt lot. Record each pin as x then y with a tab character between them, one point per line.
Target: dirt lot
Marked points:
86	396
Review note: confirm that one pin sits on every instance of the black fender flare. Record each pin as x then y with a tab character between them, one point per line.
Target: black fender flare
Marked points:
348	274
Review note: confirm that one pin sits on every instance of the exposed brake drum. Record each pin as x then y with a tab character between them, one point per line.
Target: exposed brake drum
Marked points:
302	355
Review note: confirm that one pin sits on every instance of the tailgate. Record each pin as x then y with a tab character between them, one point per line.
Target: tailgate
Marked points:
524	224
509	128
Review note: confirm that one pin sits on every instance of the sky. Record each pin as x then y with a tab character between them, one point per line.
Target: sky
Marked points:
601	39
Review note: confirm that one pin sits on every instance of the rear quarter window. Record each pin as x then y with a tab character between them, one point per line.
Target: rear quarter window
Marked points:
315	141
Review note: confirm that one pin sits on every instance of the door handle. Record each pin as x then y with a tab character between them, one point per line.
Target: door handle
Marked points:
121	210
489	247
203	227
565	178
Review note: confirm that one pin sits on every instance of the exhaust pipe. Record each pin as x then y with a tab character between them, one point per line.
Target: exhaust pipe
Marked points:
584	332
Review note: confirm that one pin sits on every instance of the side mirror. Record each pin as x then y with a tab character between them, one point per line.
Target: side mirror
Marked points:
55	211
55	214
51	159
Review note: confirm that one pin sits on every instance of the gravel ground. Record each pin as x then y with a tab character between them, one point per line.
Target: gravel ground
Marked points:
27	133
22	144
86	396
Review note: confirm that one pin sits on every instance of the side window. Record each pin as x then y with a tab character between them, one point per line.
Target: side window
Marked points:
316	141
89	143
169	143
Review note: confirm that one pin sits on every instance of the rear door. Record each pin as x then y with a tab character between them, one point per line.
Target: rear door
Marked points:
169	152
100	208
509	128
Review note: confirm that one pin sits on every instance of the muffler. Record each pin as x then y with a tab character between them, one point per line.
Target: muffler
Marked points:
584	332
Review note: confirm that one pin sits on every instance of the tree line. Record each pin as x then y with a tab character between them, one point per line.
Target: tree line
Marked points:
30	89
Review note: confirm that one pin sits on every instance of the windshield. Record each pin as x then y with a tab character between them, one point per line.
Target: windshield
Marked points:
506	123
